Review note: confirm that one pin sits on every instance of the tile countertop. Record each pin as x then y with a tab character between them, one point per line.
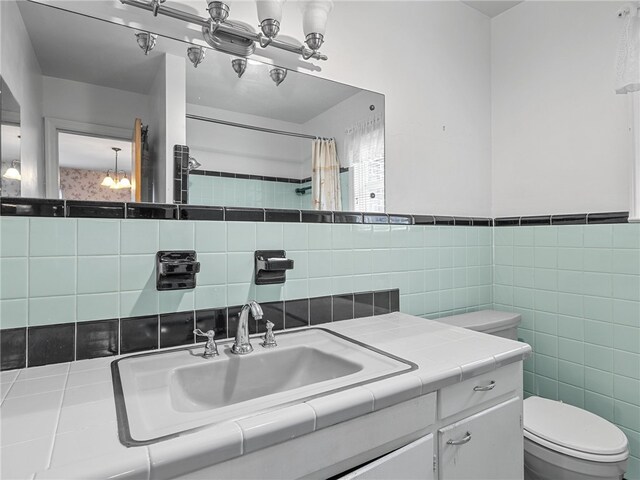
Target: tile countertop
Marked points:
59	421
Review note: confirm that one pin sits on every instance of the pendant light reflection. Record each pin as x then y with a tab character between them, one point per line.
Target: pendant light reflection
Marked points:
146	41
196	55
278	75
12	172
116	183
239	65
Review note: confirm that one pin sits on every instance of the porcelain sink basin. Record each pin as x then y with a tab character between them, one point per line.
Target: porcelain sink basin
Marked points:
164	394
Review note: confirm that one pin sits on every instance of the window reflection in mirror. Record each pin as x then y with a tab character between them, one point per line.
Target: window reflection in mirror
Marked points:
10	168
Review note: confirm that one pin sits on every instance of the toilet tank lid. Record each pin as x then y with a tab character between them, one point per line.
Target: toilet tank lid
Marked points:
571	427
484	320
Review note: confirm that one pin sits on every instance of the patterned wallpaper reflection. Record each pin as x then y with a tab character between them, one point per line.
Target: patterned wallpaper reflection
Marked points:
77	184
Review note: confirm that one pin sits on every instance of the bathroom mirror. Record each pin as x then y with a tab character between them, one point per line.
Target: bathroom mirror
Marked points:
9	143
91	86
251	129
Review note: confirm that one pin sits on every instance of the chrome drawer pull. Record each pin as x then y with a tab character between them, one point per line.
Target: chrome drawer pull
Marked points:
462	441
485	388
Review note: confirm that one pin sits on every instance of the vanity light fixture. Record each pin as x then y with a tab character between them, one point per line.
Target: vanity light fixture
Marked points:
146	41
239	65
239	39
278	75
12	172
196	55
314	23
269	15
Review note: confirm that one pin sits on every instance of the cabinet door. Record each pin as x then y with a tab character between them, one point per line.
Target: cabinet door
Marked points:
487	445
411	462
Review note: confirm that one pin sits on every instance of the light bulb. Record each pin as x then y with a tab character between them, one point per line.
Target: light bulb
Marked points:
107	181
314	22
269	10
12	173
124	183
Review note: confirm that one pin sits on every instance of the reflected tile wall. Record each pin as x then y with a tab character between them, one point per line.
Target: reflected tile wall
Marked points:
577	288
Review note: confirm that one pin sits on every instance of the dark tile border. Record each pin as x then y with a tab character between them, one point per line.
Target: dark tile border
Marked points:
180	174
564	219
74	208
42	345
244	176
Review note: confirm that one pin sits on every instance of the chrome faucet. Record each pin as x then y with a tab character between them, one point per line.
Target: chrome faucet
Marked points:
242	345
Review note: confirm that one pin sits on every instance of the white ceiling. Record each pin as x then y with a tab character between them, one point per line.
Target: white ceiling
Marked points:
492	8
92	153
84	49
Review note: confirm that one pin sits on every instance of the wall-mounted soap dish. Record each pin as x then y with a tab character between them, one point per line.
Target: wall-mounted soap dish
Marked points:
272	266
176	270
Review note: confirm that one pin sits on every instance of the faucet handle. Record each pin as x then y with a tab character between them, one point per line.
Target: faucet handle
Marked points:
269	339
211	348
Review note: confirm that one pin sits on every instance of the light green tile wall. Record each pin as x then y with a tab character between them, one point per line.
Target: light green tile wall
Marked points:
241	192
68	270
578	290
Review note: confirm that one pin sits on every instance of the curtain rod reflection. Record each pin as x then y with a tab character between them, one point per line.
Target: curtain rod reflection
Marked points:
252	127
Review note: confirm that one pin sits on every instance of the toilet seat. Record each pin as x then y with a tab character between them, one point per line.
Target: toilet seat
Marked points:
572	431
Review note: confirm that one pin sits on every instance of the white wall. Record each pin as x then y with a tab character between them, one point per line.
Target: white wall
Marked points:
167	123
86	103
561	137
20	69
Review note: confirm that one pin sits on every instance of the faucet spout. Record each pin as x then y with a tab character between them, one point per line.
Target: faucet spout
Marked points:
242	345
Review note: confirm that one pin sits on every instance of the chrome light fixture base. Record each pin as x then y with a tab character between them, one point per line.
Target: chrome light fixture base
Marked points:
146	41
278	75
193	164
270	29
218	11
314	41
228	42
196	55
239	65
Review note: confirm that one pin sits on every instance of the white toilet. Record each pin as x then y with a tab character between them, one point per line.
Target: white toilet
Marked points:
561	442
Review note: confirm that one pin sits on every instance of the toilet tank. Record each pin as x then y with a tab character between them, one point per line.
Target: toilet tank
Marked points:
500	324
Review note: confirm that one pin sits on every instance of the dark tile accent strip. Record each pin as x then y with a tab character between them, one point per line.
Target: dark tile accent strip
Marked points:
212	319
274	215
296	313
342	307
152	211
381	302
31	207
176	329
482	222
195	212
401	219
138	334
608	217
78	208
104	338
320	310
535	220
506	222
316	216
347	217
51	344
243	214
578	219
424	220
463	221
442	220
363	305
13	348
274	312
376	218
394	300
97	339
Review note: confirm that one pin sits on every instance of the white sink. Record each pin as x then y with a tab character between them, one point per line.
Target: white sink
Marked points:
163	394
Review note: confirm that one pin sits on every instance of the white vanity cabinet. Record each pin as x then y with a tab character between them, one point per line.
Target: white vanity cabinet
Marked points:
411	462
478	435
485	445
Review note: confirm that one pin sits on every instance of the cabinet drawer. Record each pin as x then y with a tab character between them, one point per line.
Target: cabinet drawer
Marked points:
461	396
